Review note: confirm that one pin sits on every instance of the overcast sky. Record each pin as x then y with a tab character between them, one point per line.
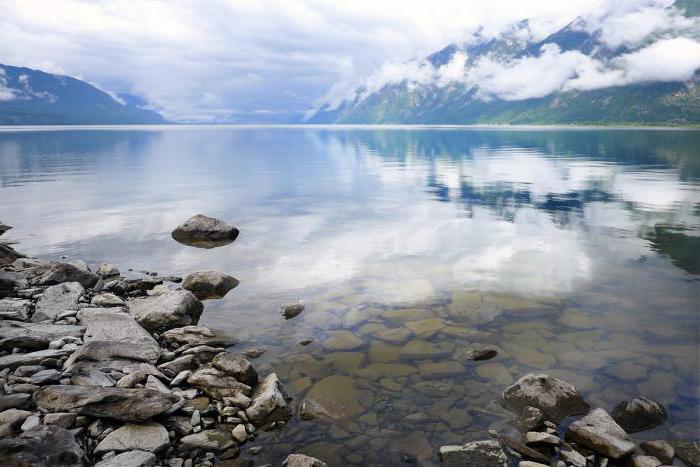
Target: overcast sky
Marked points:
203	60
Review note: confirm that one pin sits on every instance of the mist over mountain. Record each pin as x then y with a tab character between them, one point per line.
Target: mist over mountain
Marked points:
32	97
632	63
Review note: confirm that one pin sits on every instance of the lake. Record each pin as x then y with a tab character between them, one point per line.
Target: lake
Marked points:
572	251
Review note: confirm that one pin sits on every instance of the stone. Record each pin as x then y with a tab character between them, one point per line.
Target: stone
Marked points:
216	383
540	438
494	371
475	454
31	422
14	417
46	376
209	284
204	232
129	459
32	358
418	349
128	405
639	414
572	457
342	340
57	299
475	353
154	383
107	300
269	402
38	272
529	419
556	398
660	449
38	331
290	311
62	419
170	310
335	397
645	461
107	270
379	370
528	452
426	327
238	367
151	437
443	368
301	460
198	335
14	308
255	352
209	440
239	433
9	281
531	464
599	432
43	445
12	401
393	335
688	452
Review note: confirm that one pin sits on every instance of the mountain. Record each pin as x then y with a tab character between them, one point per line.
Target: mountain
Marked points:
32	97
485	94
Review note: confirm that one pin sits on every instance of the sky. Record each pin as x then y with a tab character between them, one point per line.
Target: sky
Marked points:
275	60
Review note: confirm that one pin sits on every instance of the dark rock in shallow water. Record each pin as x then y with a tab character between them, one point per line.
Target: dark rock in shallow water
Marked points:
129	405
44	445
209	284
639	414
599	432
166	311
290	311
556	398
205	232
475	454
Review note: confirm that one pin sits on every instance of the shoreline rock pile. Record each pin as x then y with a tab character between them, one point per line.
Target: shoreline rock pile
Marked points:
101	369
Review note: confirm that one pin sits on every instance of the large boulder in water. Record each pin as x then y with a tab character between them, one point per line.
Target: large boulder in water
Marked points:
556	398
43	445
169	310
205	232
639	414
209	284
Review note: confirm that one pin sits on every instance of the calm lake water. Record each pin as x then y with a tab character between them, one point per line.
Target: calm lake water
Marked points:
575	252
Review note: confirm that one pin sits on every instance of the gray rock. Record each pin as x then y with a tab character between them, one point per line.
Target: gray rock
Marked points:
129	405
4	228
660	449
129	459
644	461
688	452
14	417
290	311
26	343
39	331
178	365
32	358
107	270
198	335
599	432
80	264
43	445
209	440
528	452
151	437
14	308
572	457
236	366
269	402
154	383
46	376
205	232
639	414
300	460
31	422
12	401
107	300
530	418
475	454
181	377
170	310
132	379
540	438
531	464
38	272
57	299
217	384
62	419
239	433
556	398
9	281
209	284
477	353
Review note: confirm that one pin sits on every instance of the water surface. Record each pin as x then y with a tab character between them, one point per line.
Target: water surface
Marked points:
575	252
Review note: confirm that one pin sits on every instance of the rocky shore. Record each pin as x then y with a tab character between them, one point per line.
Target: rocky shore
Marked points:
109	369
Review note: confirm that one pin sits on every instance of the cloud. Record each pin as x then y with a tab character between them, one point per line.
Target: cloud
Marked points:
6	94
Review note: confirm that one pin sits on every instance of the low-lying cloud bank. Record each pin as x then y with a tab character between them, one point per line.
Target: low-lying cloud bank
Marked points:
647	41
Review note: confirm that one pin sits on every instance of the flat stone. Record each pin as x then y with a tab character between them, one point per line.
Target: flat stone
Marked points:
393	335
107	270
236	366
342	340
269	402
556	398
11	401
198	335
32	358
378	370
14	308
335	397
43	445
660	449
300	460
494	371
151	437
540	438
217	384
528	452
645	461
475	454
418	349
639	414
209	440
57	299
40	331
688	452
426	327
62	419
107	300
129	405
209	284
46	376
599	432
383	352
345	361
443	368
170	310
129	459
204	232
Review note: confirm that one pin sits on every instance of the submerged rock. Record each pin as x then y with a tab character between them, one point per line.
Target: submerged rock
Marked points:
290	311
170	310
556	398
209	284
300	460
599	432
57	299
204	232
129	405
335	397
639	414
475	454
43	445
476	353
342	340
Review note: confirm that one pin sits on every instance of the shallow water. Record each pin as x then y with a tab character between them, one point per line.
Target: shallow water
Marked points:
575	252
